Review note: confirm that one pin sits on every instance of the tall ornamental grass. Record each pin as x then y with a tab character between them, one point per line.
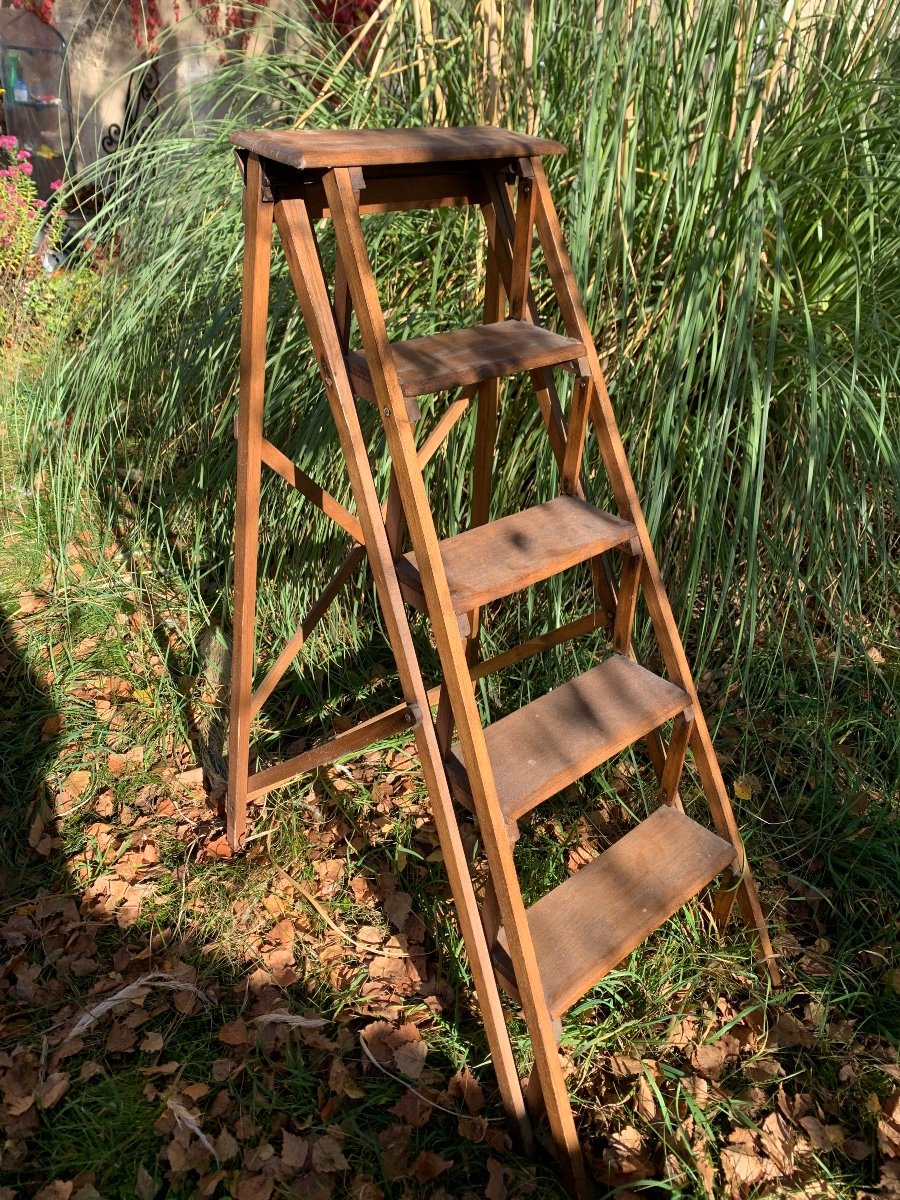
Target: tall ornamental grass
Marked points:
732	203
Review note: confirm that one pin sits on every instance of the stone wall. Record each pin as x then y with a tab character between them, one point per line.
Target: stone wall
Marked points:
104	60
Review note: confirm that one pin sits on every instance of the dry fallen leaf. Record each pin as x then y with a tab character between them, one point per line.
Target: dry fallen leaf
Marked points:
294	1150
53	1089
683	1031
31	602
121	1038
626	1153
466	1087
708	1060
144	1188
428	1165
889	1127
789	1031
234	1033
410	1059
762	1070
496	1185
327	1154
397	907
254	1187
623	1066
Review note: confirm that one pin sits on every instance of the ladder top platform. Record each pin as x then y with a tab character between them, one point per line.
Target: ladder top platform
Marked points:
311	149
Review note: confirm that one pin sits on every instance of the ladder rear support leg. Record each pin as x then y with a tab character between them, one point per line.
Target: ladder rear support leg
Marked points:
675	754
257	258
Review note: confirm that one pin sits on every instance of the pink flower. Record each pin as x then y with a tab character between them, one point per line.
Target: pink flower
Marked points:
27	168
8	142
55	185
23	156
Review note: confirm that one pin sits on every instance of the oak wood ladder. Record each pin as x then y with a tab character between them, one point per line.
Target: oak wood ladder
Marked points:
548	955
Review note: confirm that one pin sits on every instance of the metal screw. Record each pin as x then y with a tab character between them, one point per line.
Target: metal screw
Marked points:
387	412
326	374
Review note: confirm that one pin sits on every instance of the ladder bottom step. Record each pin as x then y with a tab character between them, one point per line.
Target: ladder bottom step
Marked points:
593	920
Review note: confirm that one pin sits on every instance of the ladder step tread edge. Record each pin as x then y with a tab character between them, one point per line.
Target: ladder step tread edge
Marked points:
507	555
593	920
459	357
561	736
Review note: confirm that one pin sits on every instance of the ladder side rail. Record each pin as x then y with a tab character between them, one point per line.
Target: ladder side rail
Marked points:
661	615
301	251
257	217
344	209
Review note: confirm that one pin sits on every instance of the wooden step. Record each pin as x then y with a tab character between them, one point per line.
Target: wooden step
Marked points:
588	924
504	556
559	737
464	356
306	149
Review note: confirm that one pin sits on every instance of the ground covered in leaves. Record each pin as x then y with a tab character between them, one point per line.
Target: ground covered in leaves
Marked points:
299	1021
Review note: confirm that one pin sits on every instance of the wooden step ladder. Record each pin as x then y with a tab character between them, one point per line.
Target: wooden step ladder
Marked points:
548	955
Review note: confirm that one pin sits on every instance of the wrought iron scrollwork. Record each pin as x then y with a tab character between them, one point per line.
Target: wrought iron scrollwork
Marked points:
141	106
111	138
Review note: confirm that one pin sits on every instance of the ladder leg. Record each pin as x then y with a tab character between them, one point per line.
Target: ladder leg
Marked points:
257	256
486	419
665	629
626	602
344	209
674	761
301	251
443	722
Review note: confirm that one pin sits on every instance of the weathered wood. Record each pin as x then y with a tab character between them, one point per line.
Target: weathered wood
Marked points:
675	754
343	310
544	641
296	643
486	424
550	954
443	425
509	554
520	273
350	741
255	308
561	736
388	191
588	924
626	601
460	357
575	434
306	149
292	474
